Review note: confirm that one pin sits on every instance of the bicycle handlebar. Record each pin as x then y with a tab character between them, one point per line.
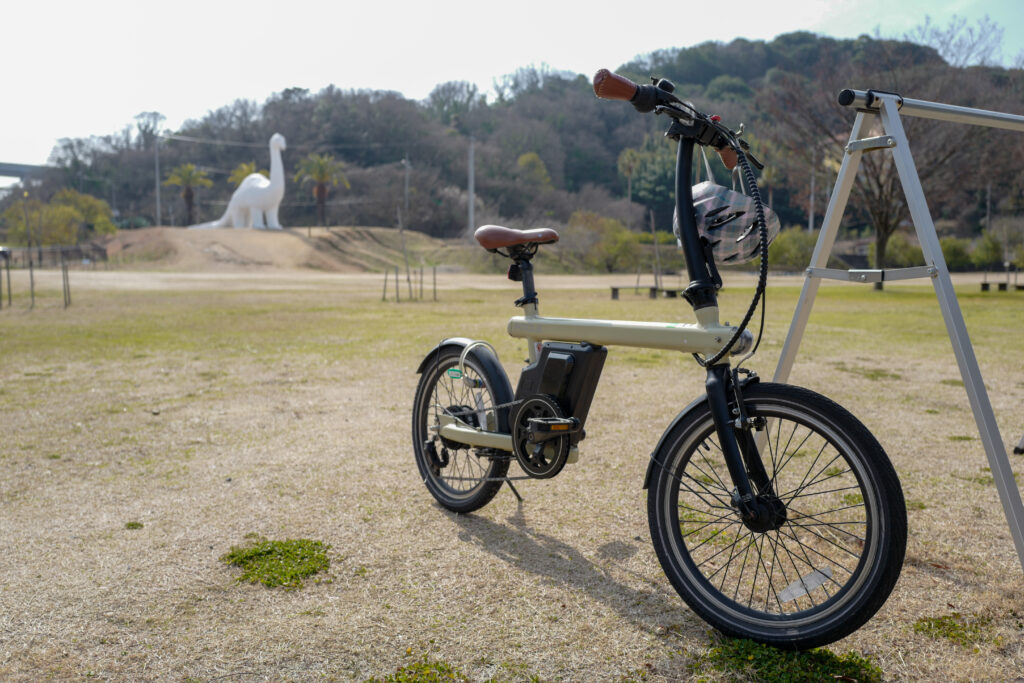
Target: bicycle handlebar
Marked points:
691	127
610	86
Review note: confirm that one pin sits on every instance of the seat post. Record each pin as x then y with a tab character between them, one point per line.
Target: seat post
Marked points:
525	268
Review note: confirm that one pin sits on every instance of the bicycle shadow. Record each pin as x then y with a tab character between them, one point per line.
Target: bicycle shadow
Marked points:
562	565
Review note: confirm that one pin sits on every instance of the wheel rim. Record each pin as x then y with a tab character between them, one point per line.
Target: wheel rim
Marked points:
813	563
464	472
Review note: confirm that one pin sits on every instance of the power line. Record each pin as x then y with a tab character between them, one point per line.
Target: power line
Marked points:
260	145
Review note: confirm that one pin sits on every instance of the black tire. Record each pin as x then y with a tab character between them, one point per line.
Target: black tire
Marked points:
830	564
460	477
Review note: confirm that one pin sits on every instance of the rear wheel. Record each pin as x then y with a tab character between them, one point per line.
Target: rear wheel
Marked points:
827	551
460	477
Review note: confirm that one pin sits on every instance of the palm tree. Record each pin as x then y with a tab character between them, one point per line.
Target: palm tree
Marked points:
187	176
771	177
629	159
243	171
321	170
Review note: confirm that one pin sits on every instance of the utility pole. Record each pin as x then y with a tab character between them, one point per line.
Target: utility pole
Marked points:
814	164
472	198
988	206
31	272
408	167
156	162
408	277
657	257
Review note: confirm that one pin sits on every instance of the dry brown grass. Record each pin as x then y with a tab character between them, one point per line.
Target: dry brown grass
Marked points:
209	407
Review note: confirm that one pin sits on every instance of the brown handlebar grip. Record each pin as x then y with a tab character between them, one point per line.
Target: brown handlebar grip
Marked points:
611	86
729	158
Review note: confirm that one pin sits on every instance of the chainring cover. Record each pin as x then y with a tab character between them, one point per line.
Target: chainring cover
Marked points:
545	459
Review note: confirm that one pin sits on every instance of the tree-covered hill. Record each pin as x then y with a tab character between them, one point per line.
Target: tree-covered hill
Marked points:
545	148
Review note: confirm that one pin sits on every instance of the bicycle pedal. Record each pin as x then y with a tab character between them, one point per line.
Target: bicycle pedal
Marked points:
544	428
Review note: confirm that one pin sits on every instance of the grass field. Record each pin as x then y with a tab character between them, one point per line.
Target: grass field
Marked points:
158	422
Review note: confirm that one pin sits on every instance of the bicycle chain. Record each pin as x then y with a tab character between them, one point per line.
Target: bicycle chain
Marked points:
500	406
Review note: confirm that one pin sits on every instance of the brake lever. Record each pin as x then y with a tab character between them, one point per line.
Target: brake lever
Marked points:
746	150
754	160
674	112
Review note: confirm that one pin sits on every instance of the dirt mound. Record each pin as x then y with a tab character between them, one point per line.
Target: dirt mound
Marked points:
338	250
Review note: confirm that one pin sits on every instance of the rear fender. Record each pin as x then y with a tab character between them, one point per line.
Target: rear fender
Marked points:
488	362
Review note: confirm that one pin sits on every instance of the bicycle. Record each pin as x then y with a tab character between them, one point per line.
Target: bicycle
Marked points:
775	514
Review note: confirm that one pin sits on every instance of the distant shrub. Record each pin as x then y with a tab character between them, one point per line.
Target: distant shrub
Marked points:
988	252
792	250
956	252
900	252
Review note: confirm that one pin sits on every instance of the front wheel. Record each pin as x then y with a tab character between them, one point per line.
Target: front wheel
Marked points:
832	548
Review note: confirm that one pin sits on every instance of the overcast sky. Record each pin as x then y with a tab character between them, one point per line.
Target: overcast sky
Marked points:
74	69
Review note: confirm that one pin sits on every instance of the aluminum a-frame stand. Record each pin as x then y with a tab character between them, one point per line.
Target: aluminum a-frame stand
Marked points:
888	107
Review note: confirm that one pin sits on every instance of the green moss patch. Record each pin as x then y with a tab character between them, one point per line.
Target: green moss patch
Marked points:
962	630
278	563
424	670
873	374
765	663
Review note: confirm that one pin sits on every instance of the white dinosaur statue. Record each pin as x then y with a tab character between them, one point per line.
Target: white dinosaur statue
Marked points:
254	204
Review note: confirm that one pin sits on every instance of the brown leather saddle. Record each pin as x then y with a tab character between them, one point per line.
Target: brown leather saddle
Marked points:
493	237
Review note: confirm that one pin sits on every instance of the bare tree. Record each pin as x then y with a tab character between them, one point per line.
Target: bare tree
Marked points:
808	117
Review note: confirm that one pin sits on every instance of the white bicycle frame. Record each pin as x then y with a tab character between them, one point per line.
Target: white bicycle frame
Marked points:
706	337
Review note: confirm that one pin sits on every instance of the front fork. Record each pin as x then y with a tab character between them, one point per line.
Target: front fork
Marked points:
735	434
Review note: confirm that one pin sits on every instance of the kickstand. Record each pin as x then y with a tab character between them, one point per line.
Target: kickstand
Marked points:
1019	448
512	486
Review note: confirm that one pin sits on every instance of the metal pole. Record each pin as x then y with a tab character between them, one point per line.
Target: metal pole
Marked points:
977	395
810	214
156	163
888	107
8	265
64	282
408	277
397	288
408	167
384	294
657	256
472	193
435	283
826	238
936	110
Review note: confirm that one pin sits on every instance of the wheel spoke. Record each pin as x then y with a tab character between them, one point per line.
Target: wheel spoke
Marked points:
831	560
824	470
719	552
829	541
724	505
792	454
855	487
815	462
789	554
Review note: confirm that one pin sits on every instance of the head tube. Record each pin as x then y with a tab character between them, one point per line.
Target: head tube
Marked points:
701	292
